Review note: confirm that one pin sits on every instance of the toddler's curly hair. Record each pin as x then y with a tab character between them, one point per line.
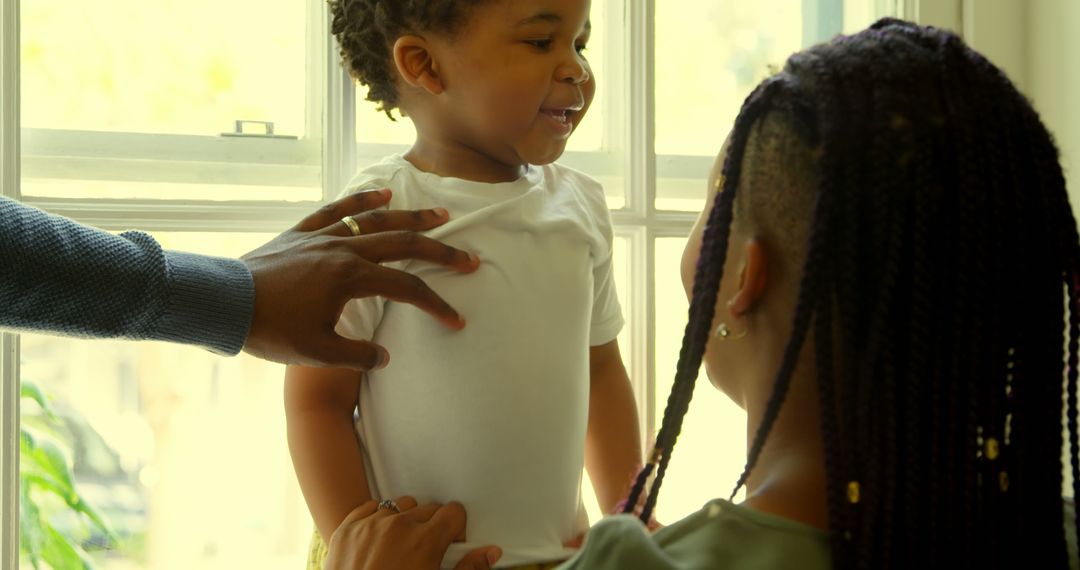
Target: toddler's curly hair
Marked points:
367	29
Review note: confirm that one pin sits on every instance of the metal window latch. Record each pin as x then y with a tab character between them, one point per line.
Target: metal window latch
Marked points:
268	130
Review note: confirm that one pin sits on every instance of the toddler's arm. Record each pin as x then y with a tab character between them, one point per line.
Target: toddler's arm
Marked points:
319	404
613	442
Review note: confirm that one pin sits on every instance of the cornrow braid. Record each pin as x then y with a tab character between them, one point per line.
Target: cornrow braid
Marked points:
1063	237
837	177
927	356
367	29
963	430
801	322
823	356
939	248
707	278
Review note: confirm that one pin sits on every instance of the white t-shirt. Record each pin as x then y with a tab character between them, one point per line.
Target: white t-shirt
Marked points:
493	416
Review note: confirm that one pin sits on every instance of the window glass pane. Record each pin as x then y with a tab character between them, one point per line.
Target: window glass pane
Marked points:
859	14
182	451
373	126
705	66
711	449
168	66
708	63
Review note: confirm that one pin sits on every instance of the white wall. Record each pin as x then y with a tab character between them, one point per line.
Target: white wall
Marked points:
999	30
1037	43
938	13
1053	72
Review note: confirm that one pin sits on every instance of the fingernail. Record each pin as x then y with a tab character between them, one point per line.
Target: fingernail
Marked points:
493	556
441	212
384	359
475	259
386	193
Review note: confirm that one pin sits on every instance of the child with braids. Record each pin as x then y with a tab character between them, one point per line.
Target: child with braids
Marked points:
503	414
887	279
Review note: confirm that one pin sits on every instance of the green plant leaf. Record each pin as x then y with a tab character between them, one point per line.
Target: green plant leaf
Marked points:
27	441
31	534
73	500
42	424
50	461
30	390
43	448
38	471
61	552
32	476
97	519
53	461
44	481
44	465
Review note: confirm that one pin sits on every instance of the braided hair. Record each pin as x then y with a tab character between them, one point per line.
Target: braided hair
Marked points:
940	287
367	29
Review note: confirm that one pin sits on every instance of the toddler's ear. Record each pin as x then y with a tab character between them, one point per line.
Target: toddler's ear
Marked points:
415	64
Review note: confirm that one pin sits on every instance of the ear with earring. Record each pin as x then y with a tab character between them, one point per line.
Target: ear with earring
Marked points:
749	292
724	333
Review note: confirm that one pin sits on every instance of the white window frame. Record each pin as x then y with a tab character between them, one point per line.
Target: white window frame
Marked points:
629	133
9	343
173	158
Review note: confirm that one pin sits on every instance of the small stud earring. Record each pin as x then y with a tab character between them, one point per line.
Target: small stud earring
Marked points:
724	333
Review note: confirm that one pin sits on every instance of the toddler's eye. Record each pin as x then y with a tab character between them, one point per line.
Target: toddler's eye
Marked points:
540	44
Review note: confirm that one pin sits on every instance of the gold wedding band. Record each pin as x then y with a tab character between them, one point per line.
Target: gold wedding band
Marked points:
351	223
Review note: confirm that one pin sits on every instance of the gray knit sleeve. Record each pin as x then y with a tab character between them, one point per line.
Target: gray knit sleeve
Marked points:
63	277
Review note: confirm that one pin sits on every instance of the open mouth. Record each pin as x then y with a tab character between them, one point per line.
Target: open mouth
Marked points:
560	115
561	120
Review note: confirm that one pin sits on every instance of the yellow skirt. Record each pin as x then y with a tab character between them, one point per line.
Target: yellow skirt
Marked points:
316	552
317	557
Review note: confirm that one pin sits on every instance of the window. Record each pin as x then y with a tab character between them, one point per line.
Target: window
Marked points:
117	105
207	125
214	126
193	472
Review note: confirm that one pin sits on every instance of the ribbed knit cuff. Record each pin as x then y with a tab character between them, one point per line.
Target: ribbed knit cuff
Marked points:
211	301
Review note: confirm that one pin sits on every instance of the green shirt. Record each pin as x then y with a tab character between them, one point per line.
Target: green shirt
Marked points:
720	535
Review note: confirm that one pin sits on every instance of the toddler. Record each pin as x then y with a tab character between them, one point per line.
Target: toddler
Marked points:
502	414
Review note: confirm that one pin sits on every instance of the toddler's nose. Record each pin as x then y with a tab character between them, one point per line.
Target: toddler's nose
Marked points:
574	71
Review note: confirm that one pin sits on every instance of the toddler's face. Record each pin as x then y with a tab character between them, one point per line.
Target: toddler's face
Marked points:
517	81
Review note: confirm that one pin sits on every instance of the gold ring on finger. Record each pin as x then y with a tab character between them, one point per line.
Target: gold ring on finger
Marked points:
351	223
